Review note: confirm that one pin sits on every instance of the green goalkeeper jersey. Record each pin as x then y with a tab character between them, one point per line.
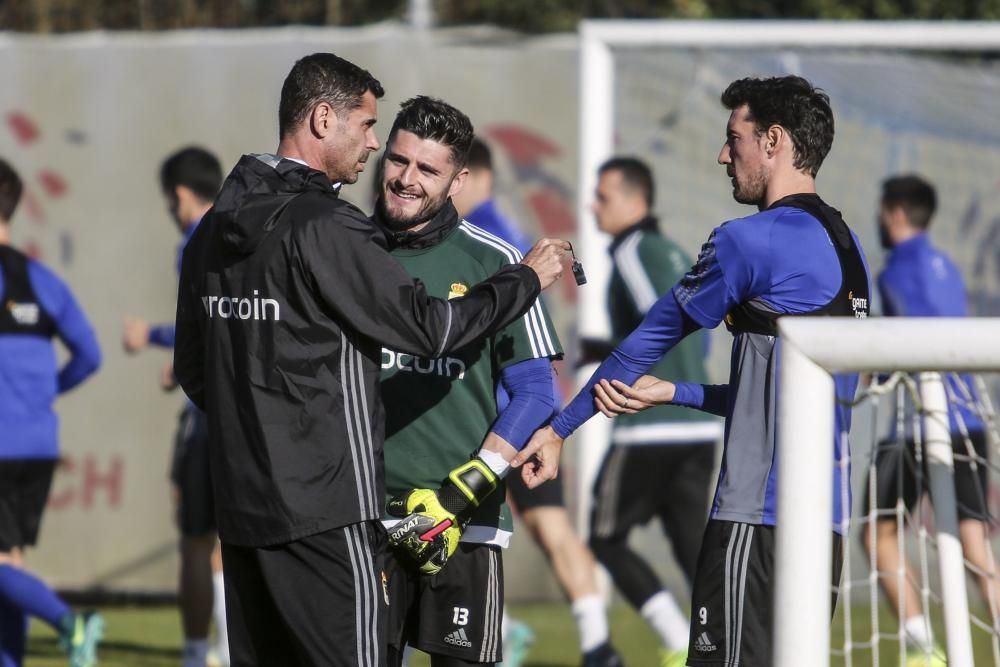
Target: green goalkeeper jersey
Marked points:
438	411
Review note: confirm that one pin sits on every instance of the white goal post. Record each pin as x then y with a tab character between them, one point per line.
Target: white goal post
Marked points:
812	349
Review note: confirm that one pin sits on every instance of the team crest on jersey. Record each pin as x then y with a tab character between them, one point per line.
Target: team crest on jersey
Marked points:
457	290
25	314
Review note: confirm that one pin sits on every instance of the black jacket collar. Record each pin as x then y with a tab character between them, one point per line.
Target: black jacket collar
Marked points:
436	230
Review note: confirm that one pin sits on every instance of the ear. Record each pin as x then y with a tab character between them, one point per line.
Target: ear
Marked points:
322	120
773	138
897	218
458	182
183	195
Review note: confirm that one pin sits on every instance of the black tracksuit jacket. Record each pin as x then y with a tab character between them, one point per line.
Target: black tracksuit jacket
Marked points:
286	297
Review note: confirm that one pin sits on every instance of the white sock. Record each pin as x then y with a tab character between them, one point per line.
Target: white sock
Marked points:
591	621
918	630
668	621
408	652
504	625
195	653
219	616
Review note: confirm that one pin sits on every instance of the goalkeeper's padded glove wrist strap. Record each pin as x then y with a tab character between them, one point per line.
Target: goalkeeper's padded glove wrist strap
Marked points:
467	486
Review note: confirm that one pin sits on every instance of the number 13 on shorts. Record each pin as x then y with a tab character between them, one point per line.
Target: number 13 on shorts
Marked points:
460	616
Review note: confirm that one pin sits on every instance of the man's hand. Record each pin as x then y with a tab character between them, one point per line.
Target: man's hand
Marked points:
136	335
546	258
433	520
617	398
428	534
540	457
167	380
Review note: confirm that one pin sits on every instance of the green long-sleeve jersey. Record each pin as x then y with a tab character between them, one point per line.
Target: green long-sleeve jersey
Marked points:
438	411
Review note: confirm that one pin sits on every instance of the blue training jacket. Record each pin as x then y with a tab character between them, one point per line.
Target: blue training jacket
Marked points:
919	280
30	379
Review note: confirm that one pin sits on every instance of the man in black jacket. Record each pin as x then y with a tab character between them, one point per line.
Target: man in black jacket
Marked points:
287	295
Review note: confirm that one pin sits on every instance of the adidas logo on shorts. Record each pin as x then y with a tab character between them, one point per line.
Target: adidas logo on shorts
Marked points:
459	638
703	644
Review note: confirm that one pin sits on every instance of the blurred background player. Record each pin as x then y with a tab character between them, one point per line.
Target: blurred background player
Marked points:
36	307
189	181
918	280
661	460
438	411
542	510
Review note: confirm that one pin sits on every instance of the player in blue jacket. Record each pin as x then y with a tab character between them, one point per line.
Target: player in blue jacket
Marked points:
36	307
795	256
189	180
919	280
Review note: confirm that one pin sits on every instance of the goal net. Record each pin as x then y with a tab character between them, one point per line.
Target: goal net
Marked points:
897	460
939	416
908	98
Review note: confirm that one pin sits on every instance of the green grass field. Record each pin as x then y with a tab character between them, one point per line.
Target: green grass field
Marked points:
150	637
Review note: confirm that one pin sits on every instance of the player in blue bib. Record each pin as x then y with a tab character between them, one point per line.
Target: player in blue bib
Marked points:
35	308
795	256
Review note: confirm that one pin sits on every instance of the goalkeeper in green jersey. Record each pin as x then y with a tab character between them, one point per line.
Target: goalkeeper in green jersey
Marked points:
447	443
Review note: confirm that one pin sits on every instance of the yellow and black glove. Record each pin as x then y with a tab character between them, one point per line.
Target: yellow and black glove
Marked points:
432	521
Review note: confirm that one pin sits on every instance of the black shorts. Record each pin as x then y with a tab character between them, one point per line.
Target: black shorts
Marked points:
24	490
732	605
189	471
896	467
549	494
671	482
320	600
455	613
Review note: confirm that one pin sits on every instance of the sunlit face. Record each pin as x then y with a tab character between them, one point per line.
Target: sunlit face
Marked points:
744	158
615	207
418	177
352	141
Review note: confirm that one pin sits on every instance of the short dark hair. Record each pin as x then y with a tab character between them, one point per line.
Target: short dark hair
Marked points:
914	195
192	167
433	119
480	156
323	77
794	104
11	188
636	174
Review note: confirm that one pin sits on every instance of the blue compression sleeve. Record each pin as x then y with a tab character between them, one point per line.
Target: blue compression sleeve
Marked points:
162	335
529	384
32	596
711	398
664	326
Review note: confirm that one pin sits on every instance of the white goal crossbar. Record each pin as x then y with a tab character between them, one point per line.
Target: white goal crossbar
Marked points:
811	350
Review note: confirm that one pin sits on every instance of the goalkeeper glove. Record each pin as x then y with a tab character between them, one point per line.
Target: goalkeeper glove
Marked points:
432	521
